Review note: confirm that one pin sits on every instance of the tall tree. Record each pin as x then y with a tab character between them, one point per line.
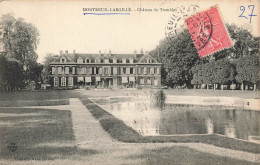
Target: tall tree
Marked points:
20	39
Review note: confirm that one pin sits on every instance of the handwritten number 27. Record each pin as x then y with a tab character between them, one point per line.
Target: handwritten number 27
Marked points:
242	8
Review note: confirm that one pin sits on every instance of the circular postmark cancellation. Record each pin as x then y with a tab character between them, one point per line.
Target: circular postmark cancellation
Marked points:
175	24
12	147
200	27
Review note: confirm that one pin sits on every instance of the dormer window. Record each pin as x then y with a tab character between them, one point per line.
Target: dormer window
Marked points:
80	60
114	60
124	60
106	61
148	60
97	60
88	60
131	61
63	60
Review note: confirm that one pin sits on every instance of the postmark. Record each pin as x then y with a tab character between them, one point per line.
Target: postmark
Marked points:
176	22
208	31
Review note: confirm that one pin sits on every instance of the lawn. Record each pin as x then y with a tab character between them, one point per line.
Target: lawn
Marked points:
37	134
183	156
36	98
120	131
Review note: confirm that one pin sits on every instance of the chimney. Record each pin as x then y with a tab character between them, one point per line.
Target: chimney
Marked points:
135	52
74	51
66	51
100	52
61	52
142	52
109	52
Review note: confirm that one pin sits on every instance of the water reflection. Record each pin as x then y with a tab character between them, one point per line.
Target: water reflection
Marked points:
187	119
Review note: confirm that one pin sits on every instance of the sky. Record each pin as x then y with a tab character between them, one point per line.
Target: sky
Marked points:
63	26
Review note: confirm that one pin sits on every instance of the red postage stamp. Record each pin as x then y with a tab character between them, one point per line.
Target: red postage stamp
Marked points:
208	32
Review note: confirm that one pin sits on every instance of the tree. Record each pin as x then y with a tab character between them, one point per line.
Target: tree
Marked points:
47	69
20	39
248	70
178	57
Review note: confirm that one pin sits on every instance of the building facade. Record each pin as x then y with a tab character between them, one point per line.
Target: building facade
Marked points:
71	70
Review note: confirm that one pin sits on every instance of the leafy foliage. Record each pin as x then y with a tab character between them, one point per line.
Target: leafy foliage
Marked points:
182	64
20	39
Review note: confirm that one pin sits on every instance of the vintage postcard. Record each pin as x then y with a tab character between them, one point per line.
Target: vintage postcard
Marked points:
130	82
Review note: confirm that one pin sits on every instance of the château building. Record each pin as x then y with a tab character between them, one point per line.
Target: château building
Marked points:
105	70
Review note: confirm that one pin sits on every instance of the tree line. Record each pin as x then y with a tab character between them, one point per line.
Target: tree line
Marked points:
18	57
237	66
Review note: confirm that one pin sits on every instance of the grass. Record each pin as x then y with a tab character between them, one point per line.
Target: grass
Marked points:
120	131
184	155
36	98
37	134
21	103
38	95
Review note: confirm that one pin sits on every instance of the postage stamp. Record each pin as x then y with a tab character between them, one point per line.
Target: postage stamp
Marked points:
208	31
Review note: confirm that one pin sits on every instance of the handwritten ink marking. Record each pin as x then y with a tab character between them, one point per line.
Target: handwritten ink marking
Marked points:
243	9
106	13
251	15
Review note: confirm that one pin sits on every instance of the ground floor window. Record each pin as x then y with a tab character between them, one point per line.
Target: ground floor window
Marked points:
148	81
70	81
141	81
56	81
63	81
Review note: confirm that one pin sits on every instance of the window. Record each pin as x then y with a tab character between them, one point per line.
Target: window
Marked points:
145	70
124	70
70	81
142	70
148	81
66	70
115	71
100	71
139	70
106	61
155	70
127	70
131	70
97	60
106	71
148	60
127	61
63	60
63	81
142	81
114	60
158	70
56	81
151	70
53	70
59	70
80	60
88	60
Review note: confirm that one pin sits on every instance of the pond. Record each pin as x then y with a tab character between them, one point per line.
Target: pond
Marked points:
185	119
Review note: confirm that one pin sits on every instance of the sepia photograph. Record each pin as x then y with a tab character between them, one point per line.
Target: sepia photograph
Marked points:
131	82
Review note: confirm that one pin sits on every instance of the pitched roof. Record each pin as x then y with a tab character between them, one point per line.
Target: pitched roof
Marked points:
72	57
